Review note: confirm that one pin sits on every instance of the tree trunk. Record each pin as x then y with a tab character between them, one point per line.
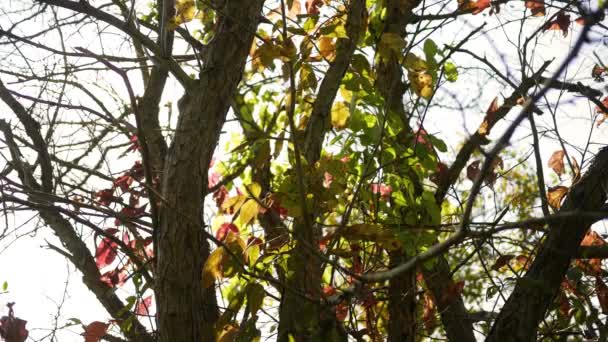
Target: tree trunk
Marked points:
187	311
402	304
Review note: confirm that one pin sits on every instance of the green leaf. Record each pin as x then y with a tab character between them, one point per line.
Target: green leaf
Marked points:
310	23
450	71
334	30
255	297
430	49
5	286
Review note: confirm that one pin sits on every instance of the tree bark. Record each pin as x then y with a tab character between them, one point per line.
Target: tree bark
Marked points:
534	293
187	311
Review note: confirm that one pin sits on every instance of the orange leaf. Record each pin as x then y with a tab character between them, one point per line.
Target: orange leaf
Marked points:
592	239
429	313
453	290
537	7
327	48
489	119
600	111
556	162
476	7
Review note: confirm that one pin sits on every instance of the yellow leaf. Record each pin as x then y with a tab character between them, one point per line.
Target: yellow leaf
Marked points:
184	12
421	83
339	115
254	189
414	63
555	196
213	267
249	211
327	49
233	204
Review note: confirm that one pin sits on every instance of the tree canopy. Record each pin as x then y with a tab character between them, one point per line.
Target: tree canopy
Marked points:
310	170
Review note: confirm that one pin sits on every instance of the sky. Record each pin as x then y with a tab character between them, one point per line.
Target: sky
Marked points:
39	280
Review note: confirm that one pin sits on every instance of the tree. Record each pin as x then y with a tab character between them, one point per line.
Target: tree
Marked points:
289	157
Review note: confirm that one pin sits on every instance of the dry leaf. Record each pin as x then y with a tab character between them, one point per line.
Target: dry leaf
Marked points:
489	119
556	162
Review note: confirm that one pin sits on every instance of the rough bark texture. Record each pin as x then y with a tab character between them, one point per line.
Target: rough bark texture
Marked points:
187	312
402	304
534	293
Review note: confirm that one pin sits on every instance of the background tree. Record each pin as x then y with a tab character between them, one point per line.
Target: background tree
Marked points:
293	169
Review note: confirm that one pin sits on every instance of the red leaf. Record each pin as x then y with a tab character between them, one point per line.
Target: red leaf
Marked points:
105	197
106	250
123	182
94	331
143	307
220	196
137	171
328	291
341	311
224	230
12	329
561	22
441	174
131	212
382	189
114	278
556	162
135	146
421	138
